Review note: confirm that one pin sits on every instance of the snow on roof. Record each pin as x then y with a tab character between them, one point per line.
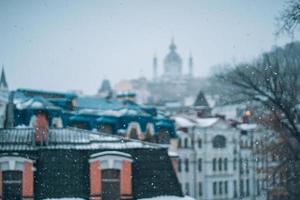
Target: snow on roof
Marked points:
68	138
247	127
125	111
173	154
183	122
206	122
230	111
65	199
169	198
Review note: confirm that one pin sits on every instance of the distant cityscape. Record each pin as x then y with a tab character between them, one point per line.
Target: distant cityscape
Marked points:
127	142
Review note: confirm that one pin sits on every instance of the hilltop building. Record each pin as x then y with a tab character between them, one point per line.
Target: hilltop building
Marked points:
172	86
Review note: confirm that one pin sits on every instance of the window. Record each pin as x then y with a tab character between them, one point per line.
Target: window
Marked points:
225	164
12	185
164	136
200	189
219	141
247	166
187	188
242	188
220	164
105	128
234	189
247	187
199	143
110	184
241	167
186	163
234	163
133	134
226	187
214	188
192	143
185	143
179	165
179	143
220	188
199	164
258	187
111	175
13	170
214	164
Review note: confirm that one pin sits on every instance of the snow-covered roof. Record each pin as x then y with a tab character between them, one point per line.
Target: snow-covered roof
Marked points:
67	138
183	122
65	199
35	103
206	122
169	198
247	127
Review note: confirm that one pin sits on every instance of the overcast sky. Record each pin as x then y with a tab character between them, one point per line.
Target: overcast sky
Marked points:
64	45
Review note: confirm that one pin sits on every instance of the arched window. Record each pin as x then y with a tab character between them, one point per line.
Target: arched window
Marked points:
199	143
133	133
214	164
219	141
225	164
149	135
185	143
220	164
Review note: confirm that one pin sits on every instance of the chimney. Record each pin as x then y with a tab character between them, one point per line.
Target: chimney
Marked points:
41	128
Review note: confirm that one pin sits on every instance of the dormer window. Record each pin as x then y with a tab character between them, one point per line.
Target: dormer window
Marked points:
134	131
105	128
110	176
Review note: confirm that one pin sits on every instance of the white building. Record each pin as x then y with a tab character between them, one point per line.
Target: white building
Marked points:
216	160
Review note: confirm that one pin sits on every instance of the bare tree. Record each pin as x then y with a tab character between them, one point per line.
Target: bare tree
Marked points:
272	85
289	19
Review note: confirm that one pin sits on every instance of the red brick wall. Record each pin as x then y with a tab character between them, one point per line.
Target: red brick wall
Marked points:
27	180
126	179
95	179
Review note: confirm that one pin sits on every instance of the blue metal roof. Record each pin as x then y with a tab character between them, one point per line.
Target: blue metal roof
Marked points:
98	103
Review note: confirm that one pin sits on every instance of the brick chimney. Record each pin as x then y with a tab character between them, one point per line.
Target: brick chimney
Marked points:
41	128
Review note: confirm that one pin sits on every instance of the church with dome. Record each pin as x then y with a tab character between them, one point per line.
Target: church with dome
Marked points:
172	66
173	81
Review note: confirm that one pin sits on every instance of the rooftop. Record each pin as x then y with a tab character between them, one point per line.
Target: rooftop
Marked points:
67	138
